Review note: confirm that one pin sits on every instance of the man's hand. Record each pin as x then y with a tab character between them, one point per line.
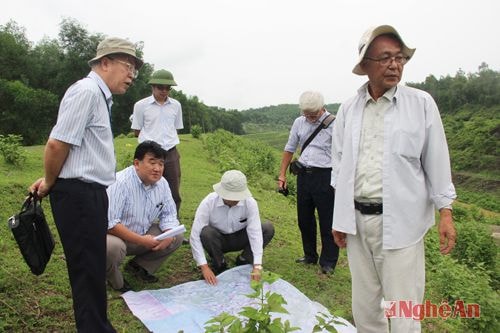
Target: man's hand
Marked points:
339	238
447	233
163	244
40	188
149	241
256	273
208	275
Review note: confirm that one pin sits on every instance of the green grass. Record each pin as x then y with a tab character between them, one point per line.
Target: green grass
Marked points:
43	304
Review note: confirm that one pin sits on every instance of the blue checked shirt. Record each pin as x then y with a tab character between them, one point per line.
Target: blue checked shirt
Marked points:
137	206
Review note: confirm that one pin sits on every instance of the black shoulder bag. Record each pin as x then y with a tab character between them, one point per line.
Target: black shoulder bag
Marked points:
32	234
295	166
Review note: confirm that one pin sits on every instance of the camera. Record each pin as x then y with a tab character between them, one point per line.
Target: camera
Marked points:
283	191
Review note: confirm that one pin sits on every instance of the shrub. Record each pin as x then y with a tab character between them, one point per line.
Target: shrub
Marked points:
11	149
196	131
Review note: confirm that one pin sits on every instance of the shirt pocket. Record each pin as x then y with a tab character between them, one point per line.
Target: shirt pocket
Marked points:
408	145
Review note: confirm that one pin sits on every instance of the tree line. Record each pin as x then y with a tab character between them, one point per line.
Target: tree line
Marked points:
34	78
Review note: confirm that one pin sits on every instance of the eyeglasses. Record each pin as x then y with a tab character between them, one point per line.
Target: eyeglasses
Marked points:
131	68
161	87
387	60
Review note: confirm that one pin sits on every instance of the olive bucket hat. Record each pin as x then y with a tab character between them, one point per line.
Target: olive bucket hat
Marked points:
162	77
113	45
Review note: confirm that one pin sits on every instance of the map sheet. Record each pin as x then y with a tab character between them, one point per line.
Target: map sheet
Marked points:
190	305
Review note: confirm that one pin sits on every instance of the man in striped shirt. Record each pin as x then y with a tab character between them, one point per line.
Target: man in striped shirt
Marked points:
140	197
79	164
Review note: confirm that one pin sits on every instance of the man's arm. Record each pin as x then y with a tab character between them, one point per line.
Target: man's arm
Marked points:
124	233
285	162
447	233
55	155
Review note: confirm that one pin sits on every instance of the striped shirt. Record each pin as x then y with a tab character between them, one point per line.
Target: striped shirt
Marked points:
228	220
158	122
137	206
83	122
318	152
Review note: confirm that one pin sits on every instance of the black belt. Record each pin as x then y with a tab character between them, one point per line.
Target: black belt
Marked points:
316	169
368	208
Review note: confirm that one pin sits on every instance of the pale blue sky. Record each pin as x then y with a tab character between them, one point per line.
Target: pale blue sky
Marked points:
242	54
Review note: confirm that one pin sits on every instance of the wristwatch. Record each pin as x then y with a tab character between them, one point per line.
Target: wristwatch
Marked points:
259	267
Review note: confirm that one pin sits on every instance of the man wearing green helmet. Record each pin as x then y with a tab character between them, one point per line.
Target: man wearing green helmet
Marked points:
157	118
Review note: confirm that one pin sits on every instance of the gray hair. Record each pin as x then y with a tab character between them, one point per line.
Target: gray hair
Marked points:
311	101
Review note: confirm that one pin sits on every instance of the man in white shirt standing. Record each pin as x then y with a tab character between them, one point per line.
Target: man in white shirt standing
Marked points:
157	118
140	197
228	220
391	170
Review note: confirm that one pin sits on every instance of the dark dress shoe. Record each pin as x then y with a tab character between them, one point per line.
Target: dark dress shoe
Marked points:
185	241
306	260
240	260
140	272
126	287
326	269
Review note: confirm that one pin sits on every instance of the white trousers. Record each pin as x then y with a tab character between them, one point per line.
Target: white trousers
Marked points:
378	274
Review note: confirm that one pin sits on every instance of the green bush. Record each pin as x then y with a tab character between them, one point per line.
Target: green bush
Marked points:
11	149
233	152
196	131
449	280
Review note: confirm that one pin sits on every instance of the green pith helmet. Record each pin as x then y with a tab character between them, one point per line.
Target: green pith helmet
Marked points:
162	77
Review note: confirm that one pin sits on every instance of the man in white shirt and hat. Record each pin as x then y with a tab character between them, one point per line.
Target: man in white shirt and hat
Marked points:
391	171
228	220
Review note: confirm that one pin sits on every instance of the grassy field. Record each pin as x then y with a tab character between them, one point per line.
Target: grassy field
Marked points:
43	304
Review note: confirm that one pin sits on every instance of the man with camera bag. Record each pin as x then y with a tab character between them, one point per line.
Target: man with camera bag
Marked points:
311	131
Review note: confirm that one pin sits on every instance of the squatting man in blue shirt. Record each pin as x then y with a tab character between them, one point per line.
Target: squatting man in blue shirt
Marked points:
228	220
140	197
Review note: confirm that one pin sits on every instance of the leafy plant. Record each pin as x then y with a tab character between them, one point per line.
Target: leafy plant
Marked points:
196	131
257	319
11	149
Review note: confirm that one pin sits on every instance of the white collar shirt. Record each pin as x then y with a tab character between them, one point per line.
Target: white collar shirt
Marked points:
368	180
318	152
83	122
158	122
416	173
212	211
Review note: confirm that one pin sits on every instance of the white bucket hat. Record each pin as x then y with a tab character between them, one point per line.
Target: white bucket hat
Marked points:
368	38
233	186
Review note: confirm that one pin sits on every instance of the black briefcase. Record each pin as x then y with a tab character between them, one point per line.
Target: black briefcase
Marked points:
32	234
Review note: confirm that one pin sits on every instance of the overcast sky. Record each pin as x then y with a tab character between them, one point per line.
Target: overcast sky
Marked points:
241	54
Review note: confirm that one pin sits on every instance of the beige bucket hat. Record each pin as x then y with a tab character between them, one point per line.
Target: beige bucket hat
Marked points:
368	38
114	45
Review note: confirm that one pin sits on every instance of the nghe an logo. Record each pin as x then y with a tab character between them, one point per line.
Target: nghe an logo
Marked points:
419	311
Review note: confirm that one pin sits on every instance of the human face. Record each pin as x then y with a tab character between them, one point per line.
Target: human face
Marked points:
149	169
230	203
383	77
161	91
119	72
313	116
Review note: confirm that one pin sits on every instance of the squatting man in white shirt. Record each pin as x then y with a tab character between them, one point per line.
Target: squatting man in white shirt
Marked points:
140	197
228	220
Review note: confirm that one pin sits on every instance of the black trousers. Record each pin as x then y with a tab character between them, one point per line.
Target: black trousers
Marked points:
80	212
172	173
315	193
217	243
